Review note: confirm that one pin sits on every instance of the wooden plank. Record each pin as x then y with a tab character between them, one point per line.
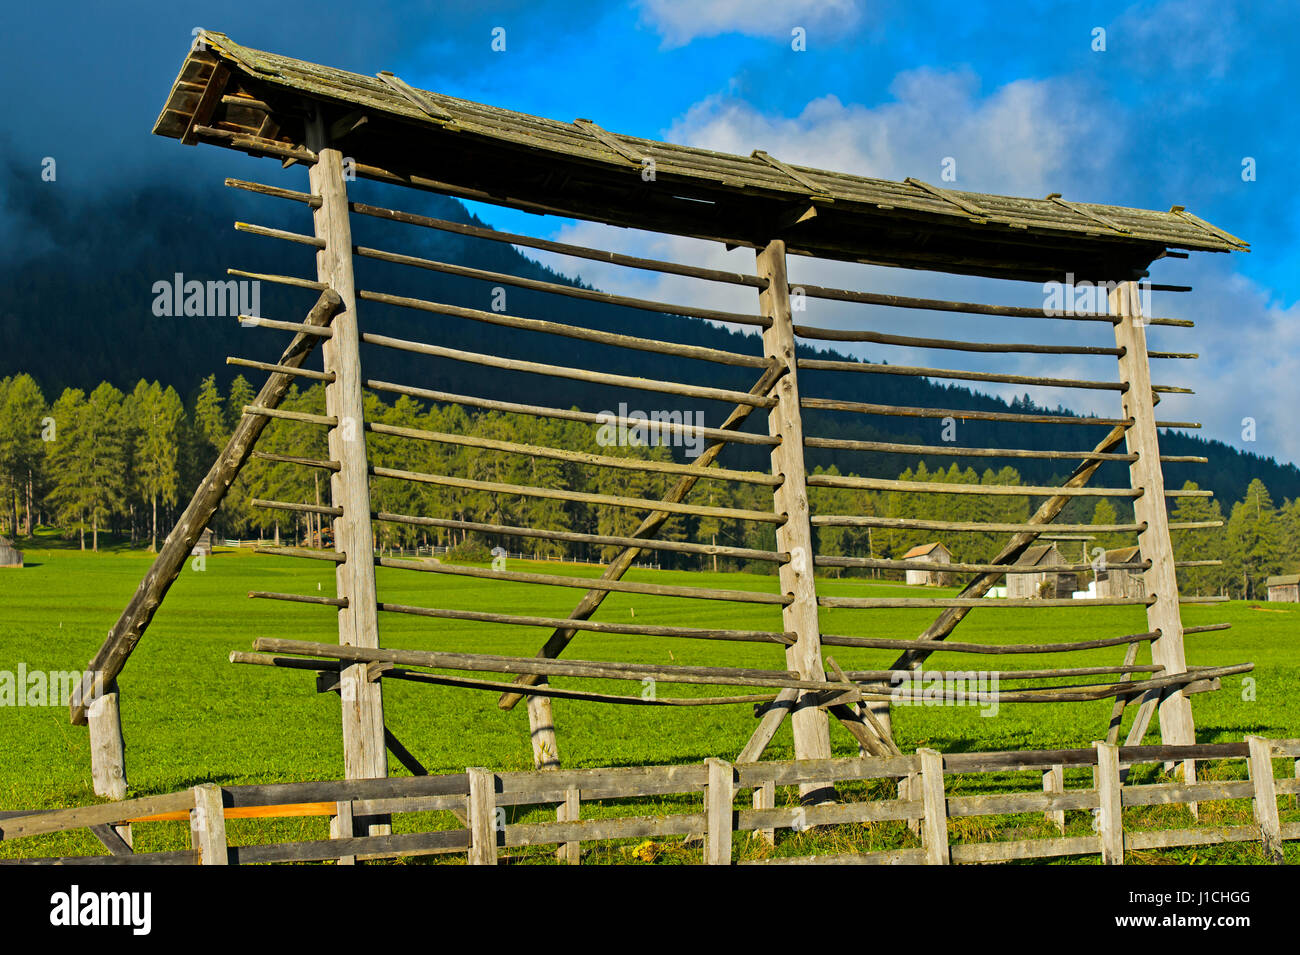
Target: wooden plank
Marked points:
482	817
107	745
116	839
1054	782
364	753
808	722
765	798
1110	825
885	857
1266	814
719	795
570	811
58	820
1024	849
1176	725
934	823
208	825
175	552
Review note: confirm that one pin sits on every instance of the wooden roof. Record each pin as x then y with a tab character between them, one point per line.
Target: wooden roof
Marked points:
921	550
1285	580
258	102
1039	554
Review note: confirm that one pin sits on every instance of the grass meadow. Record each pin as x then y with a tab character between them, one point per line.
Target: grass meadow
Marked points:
191	716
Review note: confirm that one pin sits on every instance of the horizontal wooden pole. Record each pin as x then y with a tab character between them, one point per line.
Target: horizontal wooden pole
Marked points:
903	603
306	553
276	279
634	342
876	368
574	374
599	670
940	305
854	482
562	248
824	560
568	414
889	447
556	494
556	288
294	459
945	344
325	376
859	676
900	411
256	144
595	626
907	523
438	679
253	321
995	649
269	233
299	598
276	192
261	411
586	583
648	543
578	457
326	509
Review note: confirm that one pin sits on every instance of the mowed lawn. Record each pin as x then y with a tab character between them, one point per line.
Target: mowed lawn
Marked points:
191	716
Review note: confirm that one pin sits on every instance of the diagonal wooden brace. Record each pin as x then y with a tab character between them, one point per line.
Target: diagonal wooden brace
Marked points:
1046	513
135	619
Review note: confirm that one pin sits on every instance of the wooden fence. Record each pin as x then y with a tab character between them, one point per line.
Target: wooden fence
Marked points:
480	800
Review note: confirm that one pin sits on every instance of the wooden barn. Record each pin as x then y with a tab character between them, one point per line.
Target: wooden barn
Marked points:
10	556
932	553
1285	589
1117	578
1038	579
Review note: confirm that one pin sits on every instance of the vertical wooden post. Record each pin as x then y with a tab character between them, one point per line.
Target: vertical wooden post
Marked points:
541	726
1266	814
342	826
785	421
364	753
107	745
718	816
935	823
1054	782
908	788
570	811
765	798
1110	819
1176	726
482	817
208	825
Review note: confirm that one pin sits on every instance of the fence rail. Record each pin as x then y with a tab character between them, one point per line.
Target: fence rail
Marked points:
479	799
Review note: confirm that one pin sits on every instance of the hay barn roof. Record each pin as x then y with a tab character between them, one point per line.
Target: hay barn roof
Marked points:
260	103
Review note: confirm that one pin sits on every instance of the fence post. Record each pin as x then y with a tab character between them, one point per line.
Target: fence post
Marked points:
718	817
765	798
482	816
935	822
569	811
342	827
208	825
1261	774
107	747
1110	821
1054	782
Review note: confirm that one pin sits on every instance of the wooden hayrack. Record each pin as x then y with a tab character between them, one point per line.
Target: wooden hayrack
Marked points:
314	116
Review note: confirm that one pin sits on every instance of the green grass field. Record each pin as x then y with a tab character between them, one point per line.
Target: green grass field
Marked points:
189	715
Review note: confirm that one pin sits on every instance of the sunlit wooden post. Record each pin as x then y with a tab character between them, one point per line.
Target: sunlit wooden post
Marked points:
364	753
809	722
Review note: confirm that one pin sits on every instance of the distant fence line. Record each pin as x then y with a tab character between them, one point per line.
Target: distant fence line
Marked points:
478	798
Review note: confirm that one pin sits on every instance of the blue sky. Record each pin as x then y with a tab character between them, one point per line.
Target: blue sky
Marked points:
1015	92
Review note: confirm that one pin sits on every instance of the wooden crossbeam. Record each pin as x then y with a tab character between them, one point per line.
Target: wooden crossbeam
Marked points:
415	97
607	138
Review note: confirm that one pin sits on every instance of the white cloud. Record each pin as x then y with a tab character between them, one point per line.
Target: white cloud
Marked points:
681	21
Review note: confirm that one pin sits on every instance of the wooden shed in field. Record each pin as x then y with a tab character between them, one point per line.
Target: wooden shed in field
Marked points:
932	553
1285	589
1115	579
10	556
1037	579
